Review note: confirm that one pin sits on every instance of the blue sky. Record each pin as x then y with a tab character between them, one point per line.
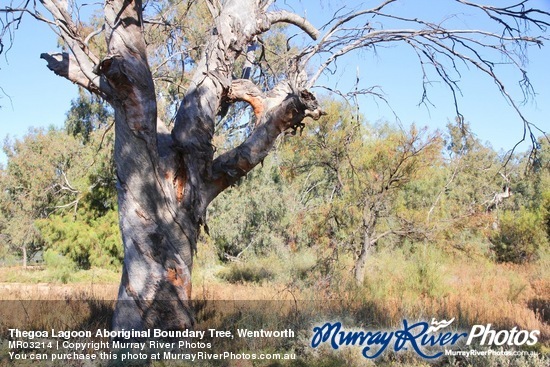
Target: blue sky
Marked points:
38	98
35	96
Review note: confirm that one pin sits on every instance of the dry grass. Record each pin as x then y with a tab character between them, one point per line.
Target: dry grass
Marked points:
504	295
52	291
473	293
17	283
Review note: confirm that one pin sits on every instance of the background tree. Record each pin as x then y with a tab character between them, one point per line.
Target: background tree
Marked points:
59	187
167	176
88	233
357	171
39	178
522	230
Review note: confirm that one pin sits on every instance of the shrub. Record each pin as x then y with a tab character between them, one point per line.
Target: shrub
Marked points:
62	266
246	272
520	236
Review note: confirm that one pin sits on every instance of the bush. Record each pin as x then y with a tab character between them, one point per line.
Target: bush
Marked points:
246	272
408	273
87	242
520	236
62	266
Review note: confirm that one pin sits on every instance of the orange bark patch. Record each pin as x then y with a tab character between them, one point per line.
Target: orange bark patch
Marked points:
257	105
174	276
245	90
256	102
187	288
179	189
179	183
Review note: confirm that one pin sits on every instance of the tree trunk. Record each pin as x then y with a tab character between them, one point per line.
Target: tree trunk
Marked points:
158	222
158	236
364	254
156	279
370	217
24	248
166	179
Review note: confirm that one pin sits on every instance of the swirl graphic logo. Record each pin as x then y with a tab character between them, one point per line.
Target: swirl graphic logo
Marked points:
436	326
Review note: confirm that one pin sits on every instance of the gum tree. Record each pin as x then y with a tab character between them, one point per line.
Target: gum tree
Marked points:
168	173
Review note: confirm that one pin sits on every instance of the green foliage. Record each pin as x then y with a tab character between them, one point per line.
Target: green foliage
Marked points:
352	175
89	235
251	218
41	174
474	169
545	212
62	266
520	236
541	183
87	242
55	260
58	190
408	273
86	115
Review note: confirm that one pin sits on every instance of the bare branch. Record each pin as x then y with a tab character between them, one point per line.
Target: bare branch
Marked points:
92	35
441	50
33	14
65	65
516	13
12	19
79	68
70	34
283	16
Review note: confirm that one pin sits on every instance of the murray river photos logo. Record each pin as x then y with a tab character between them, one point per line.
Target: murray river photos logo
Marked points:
429	341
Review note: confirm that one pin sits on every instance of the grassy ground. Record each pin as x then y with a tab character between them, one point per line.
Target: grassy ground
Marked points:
399	285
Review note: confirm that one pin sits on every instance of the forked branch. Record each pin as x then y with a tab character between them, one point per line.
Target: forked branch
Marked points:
288	113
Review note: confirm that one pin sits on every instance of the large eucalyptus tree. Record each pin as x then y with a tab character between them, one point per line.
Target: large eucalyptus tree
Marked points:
168	173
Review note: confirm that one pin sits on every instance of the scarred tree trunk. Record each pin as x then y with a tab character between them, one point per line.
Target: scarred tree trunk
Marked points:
167	179
158	234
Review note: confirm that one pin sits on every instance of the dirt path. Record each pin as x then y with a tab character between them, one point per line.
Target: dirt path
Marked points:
49	291
211	291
